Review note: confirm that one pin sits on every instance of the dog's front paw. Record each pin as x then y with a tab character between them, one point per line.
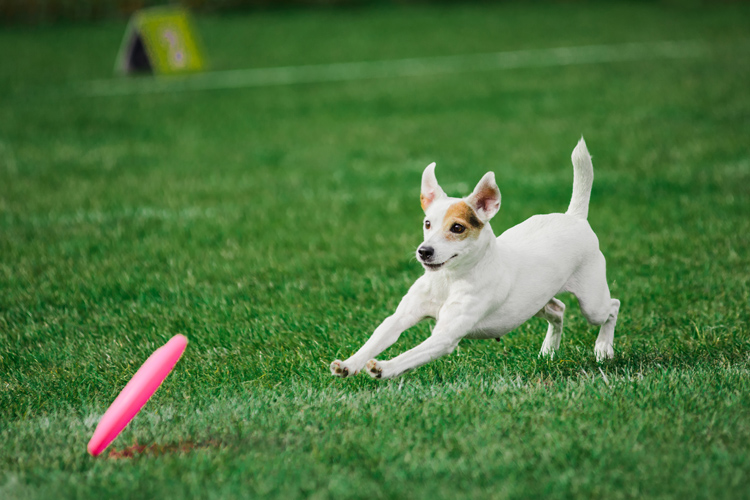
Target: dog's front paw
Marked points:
603	351
339	369
547	351
374	368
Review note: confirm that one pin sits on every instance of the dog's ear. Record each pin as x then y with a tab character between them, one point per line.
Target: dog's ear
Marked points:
485	200
431	190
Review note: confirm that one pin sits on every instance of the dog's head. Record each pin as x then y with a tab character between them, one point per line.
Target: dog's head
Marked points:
453	226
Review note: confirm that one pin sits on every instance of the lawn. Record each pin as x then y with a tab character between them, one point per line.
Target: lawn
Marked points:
275	227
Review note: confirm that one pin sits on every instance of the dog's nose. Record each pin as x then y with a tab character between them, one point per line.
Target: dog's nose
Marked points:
426	253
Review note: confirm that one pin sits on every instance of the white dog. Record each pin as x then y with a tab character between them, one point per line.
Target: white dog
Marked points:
479	286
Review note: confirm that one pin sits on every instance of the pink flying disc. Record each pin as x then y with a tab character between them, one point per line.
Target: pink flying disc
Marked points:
141	387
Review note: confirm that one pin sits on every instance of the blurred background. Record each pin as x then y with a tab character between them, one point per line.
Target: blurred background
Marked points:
267	208
35	11
88	10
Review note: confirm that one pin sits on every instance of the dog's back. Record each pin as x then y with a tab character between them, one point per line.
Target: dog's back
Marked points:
551	237
543	253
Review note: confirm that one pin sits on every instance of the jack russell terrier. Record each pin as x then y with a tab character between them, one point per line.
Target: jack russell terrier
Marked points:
479	286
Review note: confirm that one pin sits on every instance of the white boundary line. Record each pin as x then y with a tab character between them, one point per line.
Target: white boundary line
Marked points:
105	217
337	72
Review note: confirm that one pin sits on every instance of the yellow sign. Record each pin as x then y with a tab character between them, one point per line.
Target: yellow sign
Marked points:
160	40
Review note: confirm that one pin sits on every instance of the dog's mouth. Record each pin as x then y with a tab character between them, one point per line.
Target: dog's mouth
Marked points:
435	267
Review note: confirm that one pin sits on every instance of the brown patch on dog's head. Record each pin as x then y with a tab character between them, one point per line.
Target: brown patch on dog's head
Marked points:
462	214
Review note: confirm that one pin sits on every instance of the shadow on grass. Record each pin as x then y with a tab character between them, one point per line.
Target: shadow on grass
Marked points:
137	450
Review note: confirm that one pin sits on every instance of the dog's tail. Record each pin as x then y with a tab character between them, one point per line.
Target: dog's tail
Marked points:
583	179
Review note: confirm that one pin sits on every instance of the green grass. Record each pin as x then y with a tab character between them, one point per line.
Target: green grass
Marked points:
275	227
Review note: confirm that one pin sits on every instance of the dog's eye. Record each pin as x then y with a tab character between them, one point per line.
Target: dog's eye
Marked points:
427	224
457	228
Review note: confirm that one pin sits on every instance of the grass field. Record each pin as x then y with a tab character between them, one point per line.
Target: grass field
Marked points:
275	227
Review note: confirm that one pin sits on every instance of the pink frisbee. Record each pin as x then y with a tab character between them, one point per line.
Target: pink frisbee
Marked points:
141	387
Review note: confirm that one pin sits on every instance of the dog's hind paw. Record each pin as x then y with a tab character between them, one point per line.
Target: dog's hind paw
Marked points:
603	352
374	368
338	369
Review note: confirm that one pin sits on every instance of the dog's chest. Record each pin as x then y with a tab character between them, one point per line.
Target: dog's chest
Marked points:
491	319
492	327
497	318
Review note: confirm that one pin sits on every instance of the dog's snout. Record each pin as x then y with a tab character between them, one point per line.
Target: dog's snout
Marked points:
426	253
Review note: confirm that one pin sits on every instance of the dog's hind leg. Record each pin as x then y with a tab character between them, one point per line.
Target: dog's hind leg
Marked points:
604	347
553	313
597	306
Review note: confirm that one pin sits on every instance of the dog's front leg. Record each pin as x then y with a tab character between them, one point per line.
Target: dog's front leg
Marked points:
449	330
415	306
